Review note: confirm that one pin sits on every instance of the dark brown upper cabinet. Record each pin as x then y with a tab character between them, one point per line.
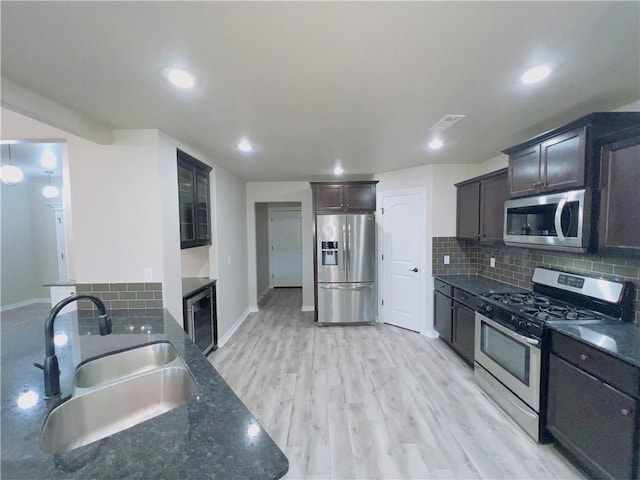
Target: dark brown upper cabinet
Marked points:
619	224
566	158
480	207
339	197
193	201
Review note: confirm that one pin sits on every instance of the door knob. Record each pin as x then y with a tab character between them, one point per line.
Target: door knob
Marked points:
414	269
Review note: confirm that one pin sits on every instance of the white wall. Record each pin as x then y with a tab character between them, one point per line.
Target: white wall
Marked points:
115	195
17	260
260	192
262	248
231	240
195	262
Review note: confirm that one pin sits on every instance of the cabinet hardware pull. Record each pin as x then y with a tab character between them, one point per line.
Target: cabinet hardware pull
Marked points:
625	411
584	356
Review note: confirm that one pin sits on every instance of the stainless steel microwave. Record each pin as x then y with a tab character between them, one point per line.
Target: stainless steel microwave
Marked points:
557	221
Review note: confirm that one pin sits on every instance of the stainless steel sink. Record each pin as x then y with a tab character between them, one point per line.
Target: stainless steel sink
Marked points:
116	366
100	412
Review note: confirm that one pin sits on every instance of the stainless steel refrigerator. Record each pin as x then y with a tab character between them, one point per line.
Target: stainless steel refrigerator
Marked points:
346	268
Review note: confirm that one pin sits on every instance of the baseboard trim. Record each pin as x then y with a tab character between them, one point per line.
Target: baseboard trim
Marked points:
225	338
253	309
263	293
430	333
25	303
308	308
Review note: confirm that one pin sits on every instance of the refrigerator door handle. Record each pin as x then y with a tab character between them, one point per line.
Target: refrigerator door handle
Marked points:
344	247
342	287
349	250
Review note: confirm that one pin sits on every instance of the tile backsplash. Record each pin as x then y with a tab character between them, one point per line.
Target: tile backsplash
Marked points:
122	295
515	265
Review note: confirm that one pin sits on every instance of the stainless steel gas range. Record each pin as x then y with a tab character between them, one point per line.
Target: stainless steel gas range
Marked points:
510	346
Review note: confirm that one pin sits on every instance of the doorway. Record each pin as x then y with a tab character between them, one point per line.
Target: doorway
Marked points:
403	254
285	252
278	227
34	246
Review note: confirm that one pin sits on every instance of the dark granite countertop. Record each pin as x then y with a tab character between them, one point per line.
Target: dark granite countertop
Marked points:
193	284
213	435
622	340
477	284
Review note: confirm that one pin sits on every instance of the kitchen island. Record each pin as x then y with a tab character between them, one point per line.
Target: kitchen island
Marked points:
212	435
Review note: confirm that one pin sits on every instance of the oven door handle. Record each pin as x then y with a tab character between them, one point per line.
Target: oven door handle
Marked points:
530	341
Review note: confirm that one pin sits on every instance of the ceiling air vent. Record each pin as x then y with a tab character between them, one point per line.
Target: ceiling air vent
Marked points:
446	122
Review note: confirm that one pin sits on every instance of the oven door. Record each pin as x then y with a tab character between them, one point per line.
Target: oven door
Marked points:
511	358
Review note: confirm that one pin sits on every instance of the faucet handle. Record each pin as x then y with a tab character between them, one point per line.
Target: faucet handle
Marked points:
39	365
105	324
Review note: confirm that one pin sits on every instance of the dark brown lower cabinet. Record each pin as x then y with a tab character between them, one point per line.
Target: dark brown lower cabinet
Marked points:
593	421
455	321
443	315
464	331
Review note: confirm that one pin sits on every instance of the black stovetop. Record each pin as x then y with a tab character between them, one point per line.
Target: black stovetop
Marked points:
540	308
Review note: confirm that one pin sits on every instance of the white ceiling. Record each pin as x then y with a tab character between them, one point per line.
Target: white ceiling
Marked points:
312	82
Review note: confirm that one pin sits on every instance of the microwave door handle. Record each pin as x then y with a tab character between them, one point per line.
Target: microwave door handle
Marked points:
558	218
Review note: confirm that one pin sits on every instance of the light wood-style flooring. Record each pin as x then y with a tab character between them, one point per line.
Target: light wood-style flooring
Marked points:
365	402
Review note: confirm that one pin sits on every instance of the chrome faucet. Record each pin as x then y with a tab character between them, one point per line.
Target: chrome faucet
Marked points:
50	367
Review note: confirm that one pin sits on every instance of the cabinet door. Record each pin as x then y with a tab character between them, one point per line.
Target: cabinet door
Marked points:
203	223
468	211
494	192
563	161
592	420
329	198
360	198
442	316
619	226
464	331
524	172
186	182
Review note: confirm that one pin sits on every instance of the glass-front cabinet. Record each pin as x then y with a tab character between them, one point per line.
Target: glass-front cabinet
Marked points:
194	201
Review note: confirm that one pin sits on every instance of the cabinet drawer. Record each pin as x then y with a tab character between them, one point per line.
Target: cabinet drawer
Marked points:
465	298
443	287
611	370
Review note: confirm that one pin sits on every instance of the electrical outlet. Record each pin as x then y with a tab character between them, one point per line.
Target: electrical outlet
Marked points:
492	262
446	260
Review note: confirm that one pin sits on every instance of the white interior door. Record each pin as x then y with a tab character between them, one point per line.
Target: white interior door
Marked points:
285	253
403	247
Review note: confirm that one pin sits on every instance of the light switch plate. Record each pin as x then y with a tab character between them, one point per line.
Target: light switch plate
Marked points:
492	262
446	260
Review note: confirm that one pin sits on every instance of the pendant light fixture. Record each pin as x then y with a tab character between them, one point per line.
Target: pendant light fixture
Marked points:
12	174
50	191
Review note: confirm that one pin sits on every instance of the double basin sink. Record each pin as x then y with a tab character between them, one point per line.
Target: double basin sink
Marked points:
116	391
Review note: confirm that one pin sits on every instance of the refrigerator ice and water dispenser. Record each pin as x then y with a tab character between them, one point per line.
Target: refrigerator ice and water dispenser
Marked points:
329	253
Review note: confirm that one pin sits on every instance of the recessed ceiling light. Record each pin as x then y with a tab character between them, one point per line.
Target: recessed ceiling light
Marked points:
338	170
435	144
179	77
245	146
535	74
